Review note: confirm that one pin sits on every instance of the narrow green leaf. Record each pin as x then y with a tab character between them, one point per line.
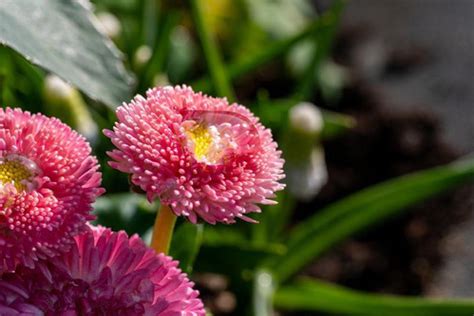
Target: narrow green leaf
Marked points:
312	295
363	209
274	115
61	37
211	53
336	124
279	48
322	43
273	220
185	245
150	20
157	62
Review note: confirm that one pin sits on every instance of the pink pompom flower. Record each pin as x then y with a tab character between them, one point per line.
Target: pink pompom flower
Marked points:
48	181
105	273
198	154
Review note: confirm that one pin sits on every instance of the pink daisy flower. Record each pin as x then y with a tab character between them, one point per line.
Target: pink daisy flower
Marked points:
198	154
48	180
105	273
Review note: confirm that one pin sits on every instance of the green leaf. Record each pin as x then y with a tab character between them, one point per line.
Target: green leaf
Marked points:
185	245
61	37
125	211
273	220
156	64
340	220
274	115
234	260
211	52
281	17
322	43
336	124
315	295
265	55
224	235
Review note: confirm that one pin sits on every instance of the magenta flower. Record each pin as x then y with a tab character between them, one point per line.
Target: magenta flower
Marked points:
105	273
48	180
198	154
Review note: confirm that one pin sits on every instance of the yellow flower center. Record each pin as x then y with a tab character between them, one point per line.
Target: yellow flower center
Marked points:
17	172
201	140
211	136
207	143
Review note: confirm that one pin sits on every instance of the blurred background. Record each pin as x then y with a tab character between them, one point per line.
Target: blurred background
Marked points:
419	55
364	91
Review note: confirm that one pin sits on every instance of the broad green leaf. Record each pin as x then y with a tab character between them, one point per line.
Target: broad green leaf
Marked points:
185	245
312	295
62	37
363	209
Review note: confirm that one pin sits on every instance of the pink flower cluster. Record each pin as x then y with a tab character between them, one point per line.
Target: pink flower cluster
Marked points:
198	154
105	273
51	261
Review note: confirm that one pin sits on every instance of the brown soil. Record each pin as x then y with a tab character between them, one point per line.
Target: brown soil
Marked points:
401	255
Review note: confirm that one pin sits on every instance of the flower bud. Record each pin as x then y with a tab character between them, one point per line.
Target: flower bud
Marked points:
142	56
110	24
305	164
304	129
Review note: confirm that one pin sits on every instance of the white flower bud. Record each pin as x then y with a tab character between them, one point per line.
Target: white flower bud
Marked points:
142	56
57	88
307	118
305	166
110	24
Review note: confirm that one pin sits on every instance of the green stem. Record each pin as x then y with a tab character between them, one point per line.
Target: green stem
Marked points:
211	53
263	290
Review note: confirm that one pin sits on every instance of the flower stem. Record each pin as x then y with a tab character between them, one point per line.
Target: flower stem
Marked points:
163	229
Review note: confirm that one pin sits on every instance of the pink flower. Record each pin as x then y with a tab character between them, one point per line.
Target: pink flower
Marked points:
48	180
105	273
198	154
